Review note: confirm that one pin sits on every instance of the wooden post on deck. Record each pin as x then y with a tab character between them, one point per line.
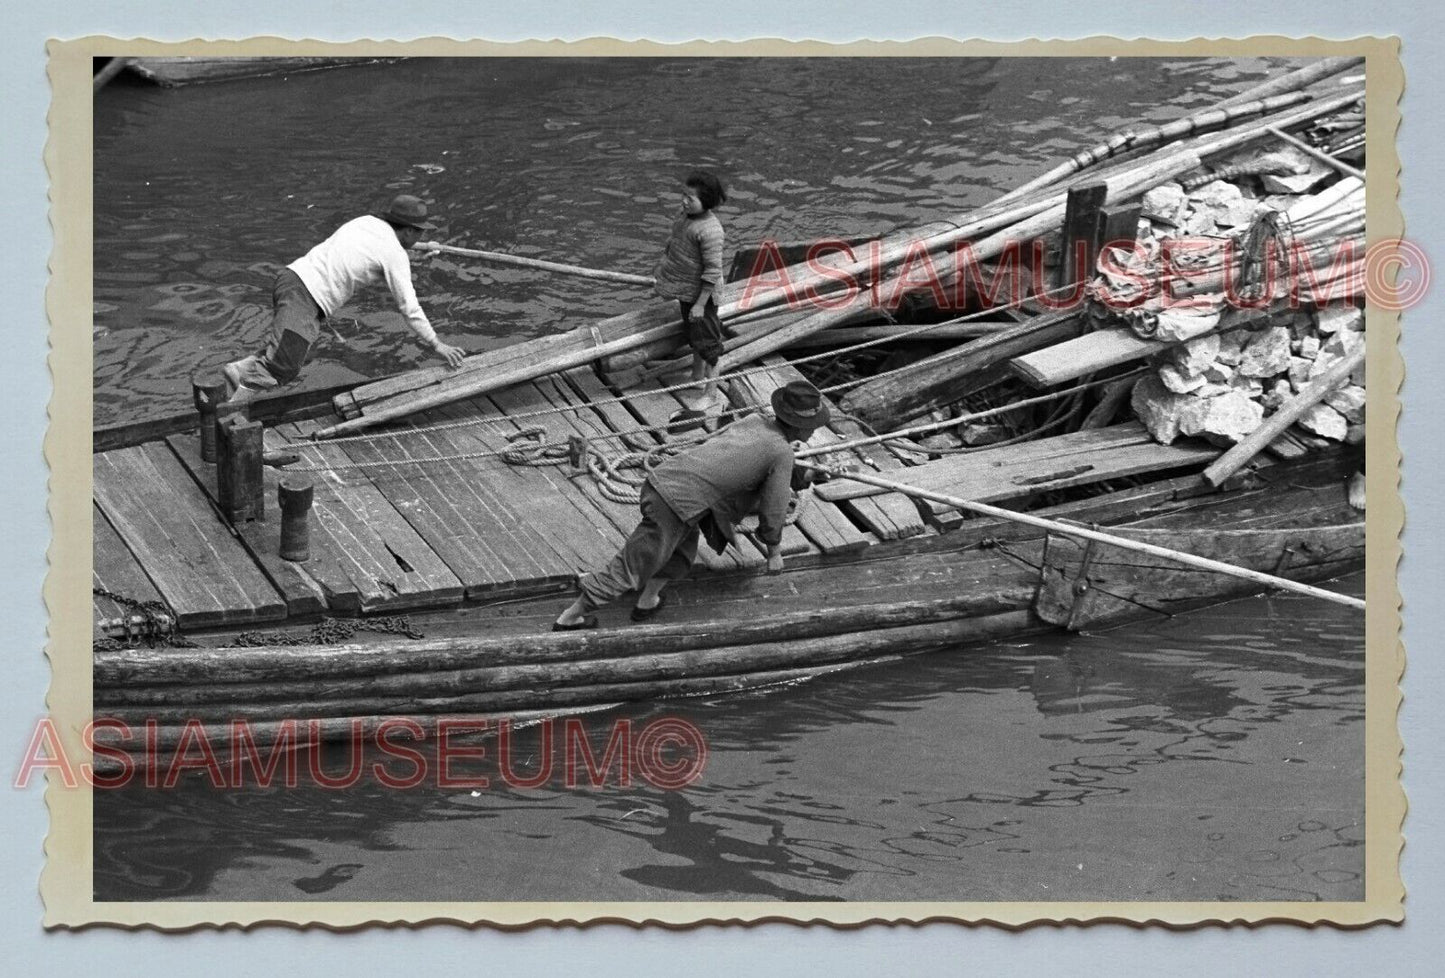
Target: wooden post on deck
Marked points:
1080	231
294	495
208	390
240	485
1117	225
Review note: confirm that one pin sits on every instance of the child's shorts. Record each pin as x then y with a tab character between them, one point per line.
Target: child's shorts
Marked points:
704	334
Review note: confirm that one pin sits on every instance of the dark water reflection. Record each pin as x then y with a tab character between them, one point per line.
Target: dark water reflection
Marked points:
1218	756
201	193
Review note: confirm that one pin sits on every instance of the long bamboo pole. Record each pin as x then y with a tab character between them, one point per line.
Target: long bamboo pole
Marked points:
501	258
988	220
114	67
1295	80
1288	413
1028	219
1325	158
1215	117
1123	543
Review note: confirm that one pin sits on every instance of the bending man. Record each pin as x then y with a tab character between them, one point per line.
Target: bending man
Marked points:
364	251
746	467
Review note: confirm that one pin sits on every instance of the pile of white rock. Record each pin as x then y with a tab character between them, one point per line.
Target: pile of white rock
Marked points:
1223	385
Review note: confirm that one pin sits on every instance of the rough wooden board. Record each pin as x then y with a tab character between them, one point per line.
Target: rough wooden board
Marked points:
542	496
494	482
451	506
388	563
1038	466
309	397
302	593
618	418
114	568
1081	355
889	515
200	569
1123	583
653	408
823	522
1287	446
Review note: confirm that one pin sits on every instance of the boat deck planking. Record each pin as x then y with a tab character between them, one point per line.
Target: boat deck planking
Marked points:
202	571
385	560
429	534
262	538
449	504
115	569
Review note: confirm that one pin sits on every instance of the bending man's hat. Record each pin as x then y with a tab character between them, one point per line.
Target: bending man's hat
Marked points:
408	210
799	405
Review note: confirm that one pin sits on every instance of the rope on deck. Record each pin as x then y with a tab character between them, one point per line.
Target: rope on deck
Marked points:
691	385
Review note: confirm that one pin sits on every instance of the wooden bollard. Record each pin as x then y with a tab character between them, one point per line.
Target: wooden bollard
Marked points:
208	390
294	495
240	484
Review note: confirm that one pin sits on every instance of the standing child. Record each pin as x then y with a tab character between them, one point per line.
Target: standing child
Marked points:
690	272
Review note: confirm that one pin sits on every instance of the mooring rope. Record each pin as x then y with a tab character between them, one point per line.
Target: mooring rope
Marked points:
691	385
543	452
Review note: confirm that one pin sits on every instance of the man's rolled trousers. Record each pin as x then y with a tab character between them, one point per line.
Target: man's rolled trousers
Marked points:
745	467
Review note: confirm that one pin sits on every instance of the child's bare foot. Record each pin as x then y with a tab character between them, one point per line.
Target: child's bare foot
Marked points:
1355	491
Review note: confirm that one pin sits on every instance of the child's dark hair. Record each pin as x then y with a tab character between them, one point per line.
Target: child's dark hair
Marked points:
709	188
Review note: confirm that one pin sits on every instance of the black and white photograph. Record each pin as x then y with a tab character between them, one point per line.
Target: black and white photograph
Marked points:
821	485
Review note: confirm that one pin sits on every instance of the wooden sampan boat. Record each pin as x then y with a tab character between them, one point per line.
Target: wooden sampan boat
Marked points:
425	518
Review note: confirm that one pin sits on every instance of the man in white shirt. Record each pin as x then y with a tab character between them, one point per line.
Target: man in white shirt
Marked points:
365	251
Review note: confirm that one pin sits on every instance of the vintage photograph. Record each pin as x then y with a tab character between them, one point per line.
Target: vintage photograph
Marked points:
770	480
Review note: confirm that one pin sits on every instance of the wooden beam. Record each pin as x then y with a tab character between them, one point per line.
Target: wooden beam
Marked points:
1011	471
889	401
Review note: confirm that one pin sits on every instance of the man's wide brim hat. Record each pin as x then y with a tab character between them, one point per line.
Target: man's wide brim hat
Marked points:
799	405
408	210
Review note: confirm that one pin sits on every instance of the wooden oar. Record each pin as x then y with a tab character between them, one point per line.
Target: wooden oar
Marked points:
1123	543
501	258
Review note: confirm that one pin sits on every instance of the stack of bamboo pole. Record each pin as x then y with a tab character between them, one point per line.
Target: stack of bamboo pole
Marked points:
1321	228
887	269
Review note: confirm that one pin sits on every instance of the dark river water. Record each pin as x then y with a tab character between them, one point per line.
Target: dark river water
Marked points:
1213	757
201	193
